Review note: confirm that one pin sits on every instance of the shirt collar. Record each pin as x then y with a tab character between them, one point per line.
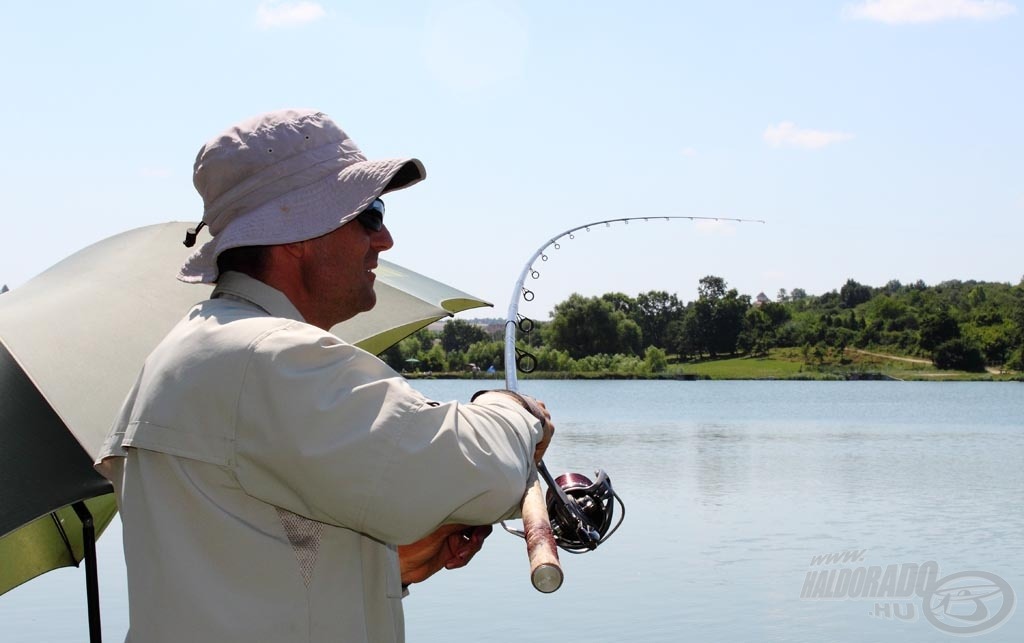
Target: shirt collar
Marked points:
241	286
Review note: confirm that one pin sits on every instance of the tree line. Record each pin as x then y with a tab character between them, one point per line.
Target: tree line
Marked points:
963	325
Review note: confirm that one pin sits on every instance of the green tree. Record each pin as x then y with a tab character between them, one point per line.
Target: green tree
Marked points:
398	355
456	360
584	326
719	316
458	335
798	300
885	309
938	328
853	294
486	354
434	360
1016	317
393	357
995	345
711	288
653	312
424	338
655	360
682	336
629	337
956	354
892	287
761	325
620	301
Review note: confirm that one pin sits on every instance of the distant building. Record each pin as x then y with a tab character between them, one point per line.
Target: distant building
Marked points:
761	300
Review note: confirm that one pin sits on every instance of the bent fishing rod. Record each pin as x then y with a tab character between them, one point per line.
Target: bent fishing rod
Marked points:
575	514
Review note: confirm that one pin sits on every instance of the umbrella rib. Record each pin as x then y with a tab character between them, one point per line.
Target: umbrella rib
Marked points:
63	534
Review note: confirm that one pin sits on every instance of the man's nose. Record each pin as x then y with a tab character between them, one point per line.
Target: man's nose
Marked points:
382	240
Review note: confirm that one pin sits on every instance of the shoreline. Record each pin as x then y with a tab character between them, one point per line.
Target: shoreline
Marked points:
776	365
853	376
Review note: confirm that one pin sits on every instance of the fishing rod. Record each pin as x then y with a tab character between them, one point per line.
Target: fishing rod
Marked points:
575	514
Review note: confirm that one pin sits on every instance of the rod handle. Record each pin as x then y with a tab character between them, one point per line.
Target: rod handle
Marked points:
545	570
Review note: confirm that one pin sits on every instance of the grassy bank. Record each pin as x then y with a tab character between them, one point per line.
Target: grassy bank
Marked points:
852	365
781	364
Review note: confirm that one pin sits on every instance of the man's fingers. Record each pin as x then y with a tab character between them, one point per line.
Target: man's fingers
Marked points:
464	544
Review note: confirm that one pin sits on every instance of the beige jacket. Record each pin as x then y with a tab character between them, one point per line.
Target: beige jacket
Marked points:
265	471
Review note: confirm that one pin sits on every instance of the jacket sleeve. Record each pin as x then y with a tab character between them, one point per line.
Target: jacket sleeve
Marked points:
328	431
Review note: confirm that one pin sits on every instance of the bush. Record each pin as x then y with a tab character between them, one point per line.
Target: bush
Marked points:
957	355
434	360
552	359
655	360
603	362
486	354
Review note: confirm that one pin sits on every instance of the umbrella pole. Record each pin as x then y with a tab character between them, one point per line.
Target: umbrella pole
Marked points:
92	587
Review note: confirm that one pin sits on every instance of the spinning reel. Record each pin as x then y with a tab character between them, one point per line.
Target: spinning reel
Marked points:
581	511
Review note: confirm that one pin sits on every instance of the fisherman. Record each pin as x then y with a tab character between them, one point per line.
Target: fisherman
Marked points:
276	483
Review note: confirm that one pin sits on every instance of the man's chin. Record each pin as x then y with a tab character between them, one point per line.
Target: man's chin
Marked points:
365	305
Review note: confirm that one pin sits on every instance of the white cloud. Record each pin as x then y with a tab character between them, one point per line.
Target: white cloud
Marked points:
274	13
787	134
916	11
689	152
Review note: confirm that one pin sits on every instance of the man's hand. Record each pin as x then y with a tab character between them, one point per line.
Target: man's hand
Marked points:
540	411
449	547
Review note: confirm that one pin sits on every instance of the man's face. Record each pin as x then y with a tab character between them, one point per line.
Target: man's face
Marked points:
338	271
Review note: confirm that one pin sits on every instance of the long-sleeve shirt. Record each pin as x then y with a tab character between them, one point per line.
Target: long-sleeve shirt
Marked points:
266	470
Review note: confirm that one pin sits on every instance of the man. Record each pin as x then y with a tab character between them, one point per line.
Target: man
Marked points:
274	482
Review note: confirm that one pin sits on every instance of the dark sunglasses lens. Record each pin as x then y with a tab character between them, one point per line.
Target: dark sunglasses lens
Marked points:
372	218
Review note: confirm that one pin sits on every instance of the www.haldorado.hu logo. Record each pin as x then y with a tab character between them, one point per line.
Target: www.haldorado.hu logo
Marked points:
965	603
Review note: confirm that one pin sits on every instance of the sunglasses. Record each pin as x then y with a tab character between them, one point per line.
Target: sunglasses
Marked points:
372	218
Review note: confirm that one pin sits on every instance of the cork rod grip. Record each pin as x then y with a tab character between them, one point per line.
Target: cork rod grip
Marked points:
545	570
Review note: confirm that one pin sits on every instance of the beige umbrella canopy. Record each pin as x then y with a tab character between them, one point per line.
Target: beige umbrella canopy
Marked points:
72	341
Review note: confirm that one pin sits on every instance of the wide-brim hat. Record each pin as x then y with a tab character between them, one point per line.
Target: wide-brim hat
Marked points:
284	177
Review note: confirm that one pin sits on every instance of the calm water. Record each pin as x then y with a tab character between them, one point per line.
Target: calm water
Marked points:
732	488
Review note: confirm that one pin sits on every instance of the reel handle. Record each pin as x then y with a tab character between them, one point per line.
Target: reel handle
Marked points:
545	570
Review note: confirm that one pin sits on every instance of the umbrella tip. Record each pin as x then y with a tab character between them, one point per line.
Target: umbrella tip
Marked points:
3	289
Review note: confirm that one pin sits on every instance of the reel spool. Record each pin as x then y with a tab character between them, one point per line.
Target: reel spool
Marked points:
582	511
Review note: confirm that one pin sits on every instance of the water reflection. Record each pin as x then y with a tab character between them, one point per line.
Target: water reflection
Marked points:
723	462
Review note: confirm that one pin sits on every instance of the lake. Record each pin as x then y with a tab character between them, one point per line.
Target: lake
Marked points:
735	494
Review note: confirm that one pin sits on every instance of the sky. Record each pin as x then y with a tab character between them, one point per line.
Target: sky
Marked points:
877	139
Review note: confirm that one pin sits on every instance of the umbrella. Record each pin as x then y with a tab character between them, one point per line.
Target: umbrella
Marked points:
72	341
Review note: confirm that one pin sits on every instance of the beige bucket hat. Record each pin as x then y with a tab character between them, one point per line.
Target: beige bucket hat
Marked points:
283	177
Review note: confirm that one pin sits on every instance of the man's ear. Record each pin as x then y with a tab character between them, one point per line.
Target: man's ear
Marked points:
285	257
296	250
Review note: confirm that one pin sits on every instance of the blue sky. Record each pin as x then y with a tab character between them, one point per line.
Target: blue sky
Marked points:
879	140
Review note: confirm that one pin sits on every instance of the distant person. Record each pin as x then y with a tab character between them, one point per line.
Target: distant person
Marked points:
276	483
